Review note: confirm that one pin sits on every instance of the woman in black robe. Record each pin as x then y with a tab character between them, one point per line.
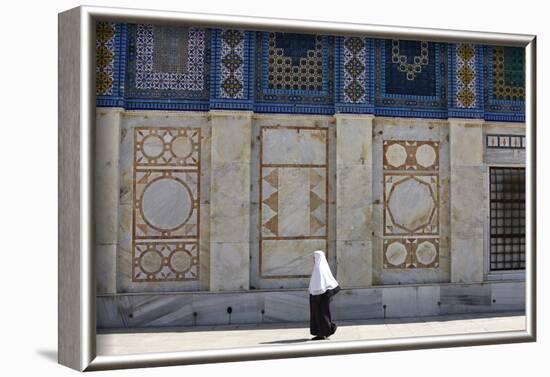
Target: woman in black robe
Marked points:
322	287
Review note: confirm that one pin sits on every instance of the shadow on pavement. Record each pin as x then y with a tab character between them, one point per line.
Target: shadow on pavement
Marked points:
287	341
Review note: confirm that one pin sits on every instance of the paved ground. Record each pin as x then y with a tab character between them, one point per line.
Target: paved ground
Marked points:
210	337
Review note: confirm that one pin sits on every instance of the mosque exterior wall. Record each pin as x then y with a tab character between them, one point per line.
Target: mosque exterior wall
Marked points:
215	182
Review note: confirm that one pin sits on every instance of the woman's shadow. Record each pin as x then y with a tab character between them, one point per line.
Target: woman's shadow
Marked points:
287	341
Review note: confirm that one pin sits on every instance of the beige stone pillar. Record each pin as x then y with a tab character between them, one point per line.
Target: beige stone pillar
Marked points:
106	193
354	200
466	200
230	201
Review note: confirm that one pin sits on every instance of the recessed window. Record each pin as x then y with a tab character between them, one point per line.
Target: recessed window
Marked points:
507	219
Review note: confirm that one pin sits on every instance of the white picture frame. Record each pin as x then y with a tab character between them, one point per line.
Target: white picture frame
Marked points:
77	325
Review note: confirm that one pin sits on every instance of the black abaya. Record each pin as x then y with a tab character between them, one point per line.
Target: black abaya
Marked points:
320	322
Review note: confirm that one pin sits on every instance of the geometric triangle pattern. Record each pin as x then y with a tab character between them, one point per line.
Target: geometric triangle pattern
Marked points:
317	202
270	205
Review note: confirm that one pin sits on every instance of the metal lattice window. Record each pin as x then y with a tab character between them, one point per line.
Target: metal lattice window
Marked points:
507	218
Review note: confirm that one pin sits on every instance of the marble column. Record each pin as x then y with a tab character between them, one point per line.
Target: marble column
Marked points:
466	200
107	135
230	200
354	200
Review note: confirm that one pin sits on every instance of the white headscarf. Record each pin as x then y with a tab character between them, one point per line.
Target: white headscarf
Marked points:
321	277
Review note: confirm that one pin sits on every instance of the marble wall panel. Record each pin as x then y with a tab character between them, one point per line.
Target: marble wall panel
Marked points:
105	268
508	296
356	304
230	201
467	211
166	205
354	200
411	204
149	310
227	308
471	298
354	263
294	146
415	301
164	182
286	306
399	302
283	258
107	314
106	190
228	261
294	199
106	174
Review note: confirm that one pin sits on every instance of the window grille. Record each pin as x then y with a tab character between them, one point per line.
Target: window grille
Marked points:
507	218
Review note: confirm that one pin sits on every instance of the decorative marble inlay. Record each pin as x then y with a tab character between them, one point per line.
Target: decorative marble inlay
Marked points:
411	155
411	203
177	147
395	253
411	253
165	261
293	197
166	206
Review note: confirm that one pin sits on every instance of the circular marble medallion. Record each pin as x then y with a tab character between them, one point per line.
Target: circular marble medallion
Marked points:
166	204
411	204
181	260
396	253
182	146
151	261
426	253
396	155
425	155
152	146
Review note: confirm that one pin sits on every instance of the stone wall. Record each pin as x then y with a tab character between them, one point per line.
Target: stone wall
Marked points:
202	308
233	201
224	158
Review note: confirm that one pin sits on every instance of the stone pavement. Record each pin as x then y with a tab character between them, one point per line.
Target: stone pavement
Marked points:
125	341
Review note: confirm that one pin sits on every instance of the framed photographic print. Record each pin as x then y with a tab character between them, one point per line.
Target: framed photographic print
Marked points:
236	188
